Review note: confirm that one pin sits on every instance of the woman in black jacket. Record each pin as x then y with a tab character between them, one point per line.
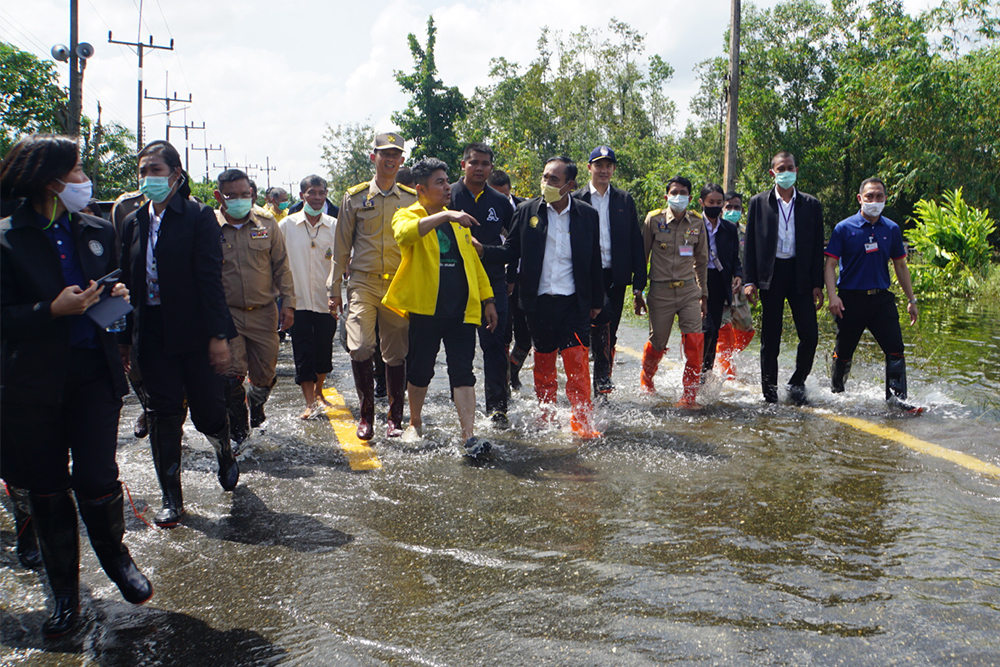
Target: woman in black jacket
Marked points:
172	262
62	381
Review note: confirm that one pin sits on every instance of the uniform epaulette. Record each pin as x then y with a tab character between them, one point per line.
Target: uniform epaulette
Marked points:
655	212
127	195
406	188
263	212
357	188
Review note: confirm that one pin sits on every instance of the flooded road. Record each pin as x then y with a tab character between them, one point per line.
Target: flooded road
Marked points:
738	534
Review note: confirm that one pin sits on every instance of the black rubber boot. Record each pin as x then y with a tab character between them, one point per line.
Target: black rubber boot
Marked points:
165	441
895	378
140	429
395	380
840	370
256	398
236	406
105	521
364	382
27	546
229	469
600	347
55	526
517	357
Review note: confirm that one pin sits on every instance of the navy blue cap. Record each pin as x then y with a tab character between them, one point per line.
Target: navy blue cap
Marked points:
602	153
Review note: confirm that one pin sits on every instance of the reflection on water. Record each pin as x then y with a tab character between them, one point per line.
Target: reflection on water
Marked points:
739	534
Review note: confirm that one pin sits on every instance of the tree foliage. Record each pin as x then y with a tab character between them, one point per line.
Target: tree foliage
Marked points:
108	155
346	151
430	117
30	99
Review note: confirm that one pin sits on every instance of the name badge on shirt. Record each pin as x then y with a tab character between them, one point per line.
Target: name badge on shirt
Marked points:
872	245
258	233
686	250
662	226
329	253
369	202
154	289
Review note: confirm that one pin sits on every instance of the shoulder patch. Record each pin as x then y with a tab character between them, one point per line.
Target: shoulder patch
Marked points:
355	189
655	212
127	195
406	188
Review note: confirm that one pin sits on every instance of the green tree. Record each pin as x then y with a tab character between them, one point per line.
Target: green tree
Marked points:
346	156
30	99
112	146
430	117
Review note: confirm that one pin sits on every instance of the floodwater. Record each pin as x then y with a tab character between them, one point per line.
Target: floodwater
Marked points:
736	535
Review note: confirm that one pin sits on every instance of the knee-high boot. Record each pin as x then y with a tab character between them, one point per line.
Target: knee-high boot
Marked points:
364	382
236	407
840	370
546	383
229	469
600	341
650	362
575	361
256	398
694	357
895	377
165	441
105	521
27	544
724	350
55	527
517	357
395	384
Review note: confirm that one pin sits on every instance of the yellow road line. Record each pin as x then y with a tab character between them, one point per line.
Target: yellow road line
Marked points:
887	433
916	444
360	456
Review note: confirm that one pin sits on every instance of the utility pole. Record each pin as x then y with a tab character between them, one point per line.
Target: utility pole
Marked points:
140	48
268	169
74	72
167	101
732	99
98	135
192	126
208	148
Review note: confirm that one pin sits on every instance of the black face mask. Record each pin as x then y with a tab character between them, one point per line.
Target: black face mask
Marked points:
712	212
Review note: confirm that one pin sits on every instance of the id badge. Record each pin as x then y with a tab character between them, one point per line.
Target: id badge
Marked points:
686	250
871	246
154	289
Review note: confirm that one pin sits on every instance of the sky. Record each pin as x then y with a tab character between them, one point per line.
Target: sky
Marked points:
267	78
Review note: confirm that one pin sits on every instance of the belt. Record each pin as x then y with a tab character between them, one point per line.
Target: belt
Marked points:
248	308
383	276
864	292
674	283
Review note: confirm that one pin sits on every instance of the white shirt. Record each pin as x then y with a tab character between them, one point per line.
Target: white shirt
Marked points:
557	262
152	276
713	254
310	257
602	204
786	226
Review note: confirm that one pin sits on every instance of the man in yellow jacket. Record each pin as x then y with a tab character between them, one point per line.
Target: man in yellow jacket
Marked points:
442	287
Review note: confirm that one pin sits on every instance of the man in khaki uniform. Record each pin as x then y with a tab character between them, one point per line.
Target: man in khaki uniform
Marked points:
676	246
254	272
364	243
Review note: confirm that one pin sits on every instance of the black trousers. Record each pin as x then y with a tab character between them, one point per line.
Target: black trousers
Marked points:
312	344
169	378
611	314
426	334
558	323
878	314
37	440
719	294
783	288
517	329
494	349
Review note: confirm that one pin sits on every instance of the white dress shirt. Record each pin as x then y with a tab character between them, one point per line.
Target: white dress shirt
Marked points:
310	256
602	203
713	253
557	262
786	226
152	276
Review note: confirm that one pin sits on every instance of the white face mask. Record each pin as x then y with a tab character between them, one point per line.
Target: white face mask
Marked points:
679	202
75	196
872	208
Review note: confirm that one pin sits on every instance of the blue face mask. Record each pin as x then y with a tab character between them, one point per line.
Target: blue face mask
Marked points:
310	210
732	216
155	188
785	179
282	206
238	208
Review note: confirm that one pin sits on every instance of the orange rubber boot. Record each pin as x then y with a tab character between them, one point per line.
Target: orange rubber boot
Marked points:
650	362
724	351
743	339
694	353
576	362
546	383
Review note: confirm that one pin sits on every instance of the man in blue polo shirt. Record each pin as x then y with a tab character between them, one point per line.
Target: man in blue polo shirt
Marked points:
863	245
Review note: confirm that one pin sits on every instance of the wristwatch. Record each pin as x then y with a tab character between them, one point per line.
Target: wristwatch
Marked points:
221	336
913	300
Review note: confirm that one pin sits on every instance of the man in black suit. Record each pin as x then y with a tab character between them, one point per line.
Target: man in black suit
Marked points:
784	261
725	271
622	259
557	241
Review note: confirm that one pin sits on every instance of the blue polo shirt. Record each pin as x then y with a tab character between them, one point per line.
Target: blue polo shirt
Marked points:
864	250
83	333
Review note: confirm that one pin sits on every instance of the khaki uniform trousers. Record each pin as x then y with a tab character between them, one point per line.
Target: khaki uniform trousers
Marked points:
254	352
664	302
364	308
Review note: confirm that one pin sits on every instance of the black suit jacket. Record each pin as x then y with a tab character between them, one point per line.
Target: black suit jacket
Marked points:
762	241
331	208
526	243
727	247
36	348
189	266
628	260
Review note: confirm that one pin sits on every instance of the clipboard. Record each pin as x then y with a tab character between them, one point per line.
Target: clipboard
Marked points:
107	311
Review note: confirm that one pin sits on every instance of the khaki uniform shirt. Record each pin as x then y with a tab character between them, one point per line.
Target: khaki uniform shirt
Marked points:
666	237
365	227
255	263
